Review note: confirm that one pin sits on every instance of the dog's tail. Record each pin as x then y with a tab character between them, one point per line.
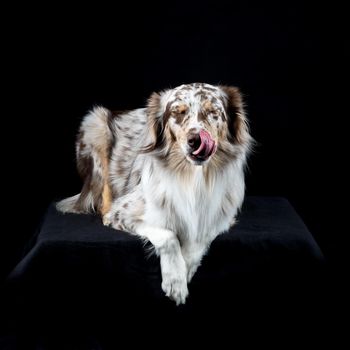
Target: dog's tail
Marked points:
93	147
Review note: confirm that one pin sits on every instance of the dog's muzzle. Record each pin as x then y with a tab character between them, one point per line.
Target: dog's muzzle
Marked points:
202	145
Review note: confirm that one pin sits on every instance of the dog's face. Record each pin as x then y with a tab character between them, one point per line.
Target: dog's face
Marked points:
197	121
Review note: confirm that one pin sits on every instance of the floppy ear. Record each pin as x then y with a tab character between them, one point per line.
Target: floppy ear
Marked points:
238	129
155	123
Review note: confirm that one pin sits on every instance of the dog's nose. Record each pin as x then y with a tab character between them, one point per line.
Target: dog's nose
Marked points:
194	140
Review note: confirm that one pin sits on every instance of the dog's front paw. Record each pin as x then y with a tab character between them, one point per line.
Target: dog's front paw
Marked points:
175	287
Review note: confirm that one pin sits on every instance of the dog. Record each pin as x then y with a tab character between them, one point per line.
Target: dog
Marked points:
171	173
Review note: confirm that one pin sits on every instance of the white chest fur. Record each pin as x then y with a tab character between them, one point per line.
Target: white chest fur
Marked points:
191	206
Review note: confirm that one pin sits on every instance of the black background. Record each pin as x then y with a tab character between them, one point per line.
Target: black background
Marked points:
288	59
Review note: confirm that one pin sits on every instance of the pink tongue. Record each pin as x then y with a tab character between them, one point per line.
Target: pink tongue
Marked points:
207	144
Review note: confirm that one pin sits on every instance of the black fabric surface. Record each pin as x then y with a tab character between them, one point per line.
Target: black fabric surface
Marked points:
77	274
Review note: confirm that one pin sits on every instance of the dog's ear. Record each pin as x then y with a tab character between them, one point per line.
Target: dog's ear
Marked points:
155	123
238	129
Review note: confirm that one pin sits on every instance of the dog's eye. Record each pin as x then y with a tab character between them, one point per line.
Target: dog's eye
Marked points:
179	112
215	114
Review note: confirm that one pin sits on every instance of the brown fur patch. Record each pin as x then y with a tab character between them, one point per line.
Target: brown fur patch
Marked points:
106	199
85	169
202	116
155	124
178	113
182	109
207	105
81	146
118	113
237	123
106	192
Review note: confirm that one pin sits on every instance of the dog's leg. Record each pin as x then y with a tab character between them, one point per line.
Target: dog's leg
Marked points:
193	252
127	214
173	266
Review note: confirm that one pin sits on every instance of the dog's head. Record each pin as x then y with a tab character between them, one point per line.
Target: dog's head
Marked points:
198	122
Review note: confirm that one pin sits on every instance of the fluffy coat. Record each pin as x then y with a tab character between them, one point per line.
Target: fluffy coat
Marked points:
171	173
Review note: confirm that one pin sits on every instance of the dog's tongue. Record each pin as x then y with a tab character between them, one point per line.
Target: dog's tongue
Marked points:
207	145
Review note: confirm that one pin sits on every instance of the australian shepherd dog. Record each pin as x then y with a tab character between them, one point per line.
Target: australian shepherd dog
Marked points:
171	173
